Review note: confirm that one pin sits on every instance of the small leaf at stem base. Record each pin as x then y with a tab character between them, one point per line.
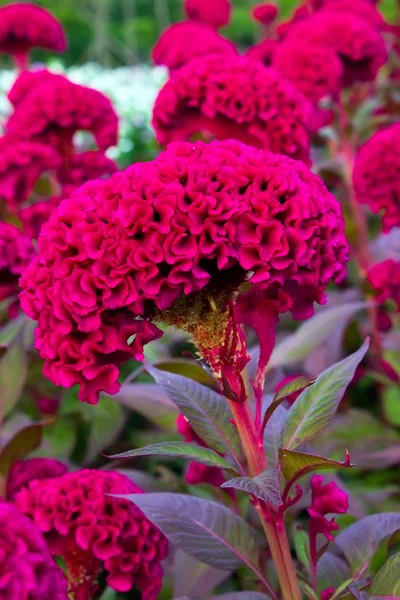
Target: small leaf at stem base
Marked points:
264	487
297	464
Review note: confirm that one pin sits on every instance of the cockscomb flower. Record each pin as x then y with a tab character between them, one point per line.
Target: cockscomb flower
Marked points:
325	499
384	278
265	13
25	471
215	13
28	80
376	175
358	44
84	167
263	51
24	26
234	98
16	252
27	569
185	41
172	241
95	533
21	164
327	594
33	217
54	110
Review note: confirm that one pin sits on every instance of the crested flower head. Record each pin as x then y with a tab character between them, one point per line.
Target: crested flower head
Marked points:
185	41
27	569
326	499
21	164
358	44
24	471
262	51
376	175
16	252
385	280
55	109
265	13
24	26
234	97
172	240
215	13
95	533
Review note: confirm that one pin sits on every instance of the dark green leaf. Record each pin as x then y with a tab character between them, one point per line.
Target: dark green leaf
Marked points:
296	464
316	407
360	541
206	456
206	530
265	486
207	412
26	440
13	371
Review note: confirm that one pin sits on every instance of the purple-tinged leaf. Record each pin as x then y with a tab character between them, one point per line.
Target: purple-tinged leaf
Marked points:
206	456
387	580
204	529
273	435
264	487
26	440
150	401
332	571
187	368
315	408
297	464
198	578
298	384
360	541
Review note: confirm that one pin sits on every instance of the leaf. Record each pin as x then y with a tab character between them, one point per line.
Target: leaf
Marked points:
332	571
360	541
198	577
302	546
316	407
391	404
151	402
106	420
242	596
265	486
143	480
296	464
387	580
207	412
206	456
24	441
273	435
204	529
313	332
187	368
9	331
296	385
13	371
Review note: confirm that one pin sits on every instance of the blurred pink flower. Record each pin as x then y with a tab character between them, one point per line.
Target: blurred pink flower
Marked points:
215	13
25	471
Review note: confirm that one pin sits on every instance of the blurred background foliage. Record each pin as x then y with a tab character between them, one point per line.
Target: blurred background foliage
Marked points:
122	32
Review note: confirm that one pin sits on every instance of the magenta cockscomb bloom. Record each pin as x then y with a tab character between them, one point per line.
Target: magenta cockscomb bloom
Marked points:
265	13
163	237
28	80
25	471
325	499
83	167
384	278
55	109
234	98
327	594
182	42
376	175
95	533
24	26
215	13
27	569
358	44
262	51
16	252
33	217
21	164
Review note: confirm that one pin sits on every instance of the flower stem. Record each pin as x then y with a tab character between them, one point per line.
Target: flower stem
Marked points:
271	519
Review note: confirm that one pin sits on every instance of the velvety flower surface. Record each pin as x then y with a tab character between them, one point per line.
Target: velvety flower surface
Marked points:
54	110
262	51
21	164
326	499
24	471
385	279
24	26
376	175
265	13
16	252
184	41
28	80
358	44
84	167
96	533
234	97
120	253
215	13
33	217
27	569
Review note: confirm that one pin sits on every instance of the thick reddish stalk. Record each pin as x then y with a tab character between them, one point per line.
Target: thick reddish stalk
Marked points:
271	519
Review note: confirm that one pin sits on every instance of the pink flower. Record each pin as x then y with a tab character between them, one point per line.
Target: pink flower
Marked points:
28	80
327	594
359	46
16	252
27	569
25	471
153	242
293	397
21	164
84	167
96	533
384	278
25	26
33	217
265	13
55	109
234	97
215	13
185	41
263	51
325	499
376	175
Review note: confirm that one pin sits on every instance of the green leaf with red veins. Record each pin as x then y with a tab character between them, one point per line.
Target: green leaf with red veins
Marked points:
296	464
